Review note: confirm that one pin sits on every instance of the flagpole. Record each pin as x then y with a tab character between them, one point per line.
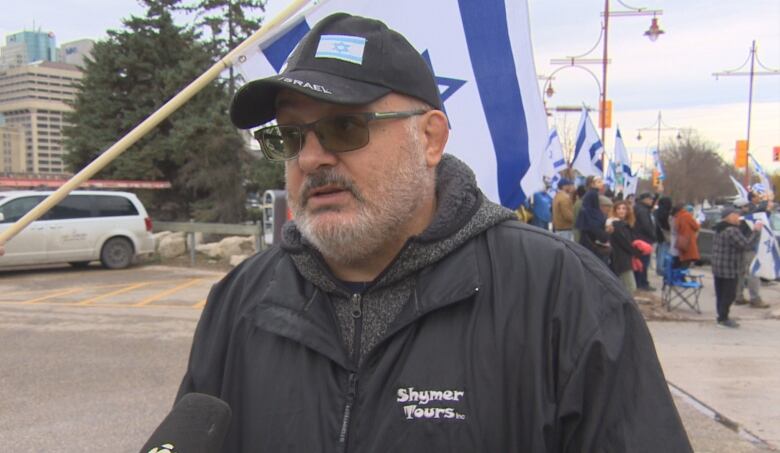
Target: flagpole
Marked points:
150	122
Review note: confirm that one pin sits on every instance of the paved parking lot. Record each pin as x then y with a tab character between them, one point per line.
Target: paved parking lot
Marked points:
140	287
91	359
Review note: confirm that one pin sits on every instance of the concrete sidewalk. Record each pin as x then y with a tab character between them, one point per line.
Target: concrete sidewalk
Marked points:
732	374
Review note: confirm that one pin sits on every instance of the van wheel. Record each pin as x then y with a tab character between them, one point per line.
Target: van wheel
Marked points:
79	264
117	253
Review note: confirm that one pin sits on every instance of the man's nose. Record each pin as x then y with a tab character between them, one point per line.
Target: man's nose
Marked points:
312	155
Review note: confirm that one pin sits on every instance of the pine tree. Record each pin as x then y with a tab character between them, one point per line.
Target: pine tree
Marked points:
132	74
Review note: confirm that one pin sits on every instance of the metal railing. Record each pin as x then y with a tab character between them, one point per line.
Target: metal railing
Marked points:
227	229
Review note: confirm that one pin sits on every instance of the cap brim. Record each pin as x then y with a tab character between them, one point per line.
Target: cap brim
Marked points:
254	103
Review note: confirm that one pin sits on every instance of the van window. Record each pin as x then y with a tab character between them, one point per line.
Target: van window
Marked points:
113	206
72	207
16	209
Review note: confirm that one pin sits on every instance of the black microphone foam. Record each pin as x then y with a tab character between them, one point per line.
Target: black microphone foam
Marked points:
196	424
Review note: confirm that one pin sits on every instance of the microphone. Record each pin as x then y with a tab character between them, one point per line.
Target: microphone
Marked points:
196	424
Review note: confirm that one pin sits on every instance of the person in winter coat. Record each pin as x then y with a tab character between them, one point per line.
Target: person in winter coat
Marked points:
579	194
563	209
728	248
591	222
663	232
644	229
403	310
685	240
746	279
622	220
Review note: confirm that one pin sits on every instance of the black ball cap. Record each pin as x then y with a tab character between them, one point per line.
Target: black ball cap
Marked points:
344	59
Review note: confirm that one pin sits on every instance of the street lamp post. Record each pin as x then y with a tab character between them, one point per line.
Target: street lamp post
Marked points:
652	33
657	127
736	72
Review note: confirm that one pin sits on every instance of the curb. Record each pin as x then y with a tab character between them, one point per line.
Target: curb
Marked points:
720	418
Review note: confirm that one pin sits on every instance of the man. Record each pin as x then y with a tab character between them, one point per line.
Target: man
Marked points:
745	277
542	209
563	209
728	249
644	229
404	311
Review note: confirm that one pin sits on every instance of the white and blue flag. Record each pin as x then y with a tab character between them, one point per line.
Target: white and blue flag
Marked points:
588	149
553	161
659	165
765	181
630	184
611	177
743	193
622	161
481	56
766	264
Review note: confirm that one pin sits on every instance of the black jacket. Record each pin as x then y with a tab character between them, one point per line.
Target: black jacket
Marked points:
622	250
644	228
517	341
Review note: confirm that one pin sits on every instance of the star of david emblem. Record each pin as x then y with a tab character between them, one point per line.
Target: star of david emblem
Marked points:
451	85
341	47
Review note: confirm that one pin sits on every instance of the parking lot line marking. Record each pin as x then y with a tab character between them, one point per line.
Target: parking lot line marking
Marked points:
112	293
53	295
168	292
36	291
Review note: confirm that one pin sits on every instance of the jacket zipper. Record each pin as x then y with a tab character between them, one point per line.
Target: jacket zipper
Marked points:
357	314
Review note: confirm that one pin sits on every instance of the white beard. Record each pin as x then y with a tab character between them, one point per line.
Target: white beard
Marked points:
380	218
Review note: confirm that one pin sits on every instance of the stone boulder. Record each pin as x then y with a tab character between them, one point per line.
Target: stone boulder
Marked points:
235	260
228	247
211	250
172	245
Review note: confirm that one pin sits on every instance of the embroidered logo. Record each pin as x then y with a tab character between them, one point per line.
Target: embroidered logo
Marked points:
430	404
341	47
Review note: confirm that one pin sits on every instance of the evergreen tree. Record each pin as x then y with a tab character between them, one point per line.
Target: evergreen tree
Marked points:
227	23
129	76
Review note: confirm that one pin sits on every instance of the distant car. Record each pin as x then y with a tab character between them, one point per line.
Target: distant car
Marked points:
86	226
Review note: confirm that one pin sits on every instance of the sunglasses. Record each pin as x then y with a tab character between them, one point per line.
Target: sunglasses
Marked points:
337	134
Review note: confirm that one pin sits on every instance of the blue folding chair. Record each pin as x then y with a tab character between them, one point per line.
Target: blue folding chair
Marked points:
680	287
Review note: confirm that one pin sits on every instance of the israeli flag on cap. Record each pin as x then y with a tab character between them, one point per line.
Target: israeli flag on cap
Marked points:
340	47
481	56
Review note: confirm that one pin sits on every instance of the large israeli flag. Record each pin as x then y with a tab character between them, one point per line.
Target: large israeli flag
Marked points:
588	149
481	55
766	264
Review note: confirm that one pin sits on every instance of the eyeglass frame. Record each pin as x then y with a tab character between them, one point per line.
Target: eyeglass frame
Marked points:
305	128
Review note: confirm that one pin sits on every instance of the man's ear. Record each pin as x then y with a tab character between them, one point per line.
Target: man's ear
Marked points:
436	130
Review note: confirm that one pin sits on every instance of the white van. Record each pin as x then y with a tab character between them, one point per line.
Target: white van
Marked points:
112	227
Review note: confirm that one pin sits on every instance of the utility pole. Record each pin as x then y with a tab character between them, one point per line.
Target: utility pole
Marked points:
752	73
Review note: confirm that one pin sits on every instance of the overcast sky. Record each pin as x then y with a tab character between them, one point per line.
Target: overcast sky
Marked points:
672	75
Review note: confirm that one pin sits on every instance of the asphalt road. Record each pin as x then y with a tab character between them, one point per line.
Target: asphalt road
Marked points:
91	359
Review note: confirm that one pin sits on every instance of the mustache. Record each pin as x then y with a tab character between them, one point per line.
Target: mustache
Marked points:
328	177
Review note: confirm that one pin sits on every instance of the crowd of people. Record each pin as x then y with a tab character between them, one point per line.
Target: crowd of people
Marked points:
623	232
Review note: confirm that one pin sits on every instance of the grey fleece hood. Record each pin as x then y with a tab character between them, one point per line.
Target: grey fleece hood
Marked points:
462	213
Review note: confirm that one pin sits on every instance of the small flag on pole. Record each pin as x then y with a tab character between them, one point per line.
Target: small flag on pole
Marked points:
588	149
743	193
